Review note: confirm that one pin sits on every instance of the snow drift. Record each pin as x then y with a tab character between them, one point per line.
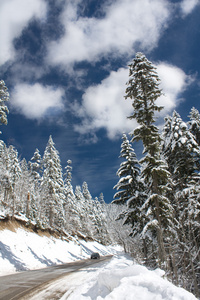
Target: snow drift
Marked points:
119	279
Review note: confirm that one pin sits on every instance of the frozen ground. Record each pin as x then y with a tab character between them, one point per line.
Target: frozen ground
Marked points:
119	279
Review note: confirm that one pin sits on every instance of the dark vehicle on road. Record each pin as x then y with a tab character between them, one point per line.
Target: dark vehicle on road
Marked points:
95	255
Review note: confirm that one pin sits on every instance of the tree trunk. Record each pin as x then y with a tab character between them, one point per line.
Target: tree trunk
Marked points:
145	251
161	248
13	205
28	206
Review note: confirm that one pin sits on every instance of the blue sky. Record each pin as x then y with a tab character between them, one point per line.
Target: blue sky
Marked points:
65	64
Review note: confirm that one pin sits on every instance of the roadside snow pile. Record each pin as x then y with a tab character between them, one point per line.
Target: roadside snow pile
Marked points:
22	250
120	279
123	280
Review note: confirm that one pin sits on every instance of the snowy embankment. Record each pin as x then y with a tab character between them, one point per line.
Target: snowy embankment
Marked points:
22	249
119	279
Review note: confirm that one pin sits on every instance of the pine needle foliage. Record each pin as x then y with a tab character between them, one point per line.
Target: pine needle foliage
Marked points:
143	89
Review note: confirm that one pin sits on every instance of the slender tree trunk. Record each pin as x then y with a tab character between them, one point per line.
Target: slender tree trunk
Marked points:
161	248
145	250
28	205
174	271
13	206
5	196
190	262
50	215
190	237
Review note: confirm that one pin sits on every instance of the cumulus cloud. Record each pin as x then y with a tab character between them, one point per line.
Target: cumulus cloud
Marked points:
104	106
35	101
188	6
174	81
124	24
14	17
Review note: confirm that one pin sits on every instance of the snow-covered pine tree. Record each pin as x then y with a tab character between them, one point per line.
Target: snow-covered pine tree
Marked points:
189	236
52	188
81	210
101	228
85	206
128	173
35	167
143	89
24	189
95	219
131	191
86	192
5	183
194	124
87	209
101	199
182	153
14	170
4	97
71	209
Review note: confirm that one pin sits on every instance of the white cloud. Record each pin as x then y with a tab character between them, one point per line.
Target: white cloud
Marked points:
104	106
14	16
173	82
35	101
187	6
124	24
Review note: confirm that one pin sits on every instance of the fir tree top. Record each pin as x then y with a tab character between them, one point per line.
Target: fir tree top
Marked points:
143	88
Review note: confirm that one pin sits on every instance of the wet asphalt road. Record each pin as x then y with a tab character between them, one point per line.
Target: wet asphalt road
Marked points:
16	286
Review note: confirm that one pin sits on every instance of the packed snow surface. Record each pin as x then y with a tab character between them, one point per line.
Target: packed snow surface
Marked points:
118	279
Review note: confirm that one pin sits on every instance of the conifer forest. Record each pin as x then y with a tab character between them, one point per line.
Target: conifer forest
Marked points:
155	212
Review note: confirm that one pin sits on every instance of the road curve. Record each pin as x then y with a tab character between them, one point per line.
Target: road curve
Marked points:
16	286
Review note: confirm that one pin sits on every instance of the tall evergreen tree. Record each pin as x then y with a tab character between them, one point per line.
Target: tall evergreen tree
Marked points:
128	173
35	167
82	210
85	191
52	185
143	89
98	222
71	209
4	175
194	124
24	188
181	151
130	191
4	97
15	174
101	215
88	209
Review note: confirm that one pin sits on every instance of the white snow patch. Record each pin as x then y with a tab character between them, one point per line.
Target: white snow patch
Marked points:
24	250
118	279
121	279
